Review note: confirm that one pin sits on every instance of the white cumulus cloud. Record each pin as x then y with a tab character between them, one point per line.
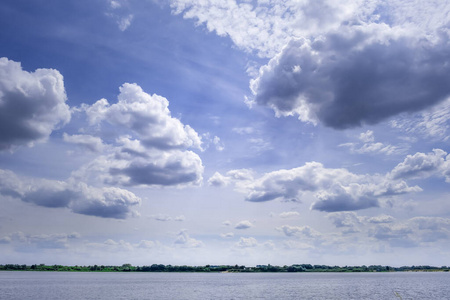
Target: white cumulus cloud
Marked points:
333	189
146	115
151	146
423	165
32	104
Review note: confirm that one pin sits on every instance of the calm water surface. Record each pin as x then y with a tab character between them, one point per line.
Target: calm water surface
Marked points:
66	285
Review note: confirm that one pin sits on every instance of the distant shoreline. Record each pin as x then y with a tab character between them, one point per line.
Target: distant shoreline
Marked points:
296	268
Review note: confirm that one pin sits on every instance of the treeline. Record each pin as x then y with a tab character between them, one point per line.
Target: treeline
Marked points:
220	268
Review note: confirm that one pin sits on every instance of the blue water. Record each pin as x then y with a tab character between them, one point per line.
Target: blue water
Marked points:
65	285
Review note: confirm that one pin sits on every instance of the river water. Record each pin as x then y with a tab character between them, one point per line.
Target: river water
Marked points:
73	285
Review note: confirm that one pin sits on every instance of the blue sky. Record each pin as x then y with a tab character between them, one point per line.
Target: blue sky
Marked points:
225	132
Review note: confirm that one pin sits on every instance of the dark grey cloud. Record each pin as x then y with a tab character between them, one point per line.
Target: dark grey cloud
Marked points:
355	76
133	165
344	202
32	105
172	173
263	196
50	196
106	203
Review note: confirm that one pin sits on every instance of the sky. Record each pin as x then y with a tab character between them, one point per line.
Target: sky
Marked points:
225	132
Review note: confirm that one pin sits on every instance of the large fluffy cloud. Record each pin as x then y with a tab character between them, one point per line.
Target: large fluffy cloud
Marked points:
357	75
106	202
146	115
31	104
150	146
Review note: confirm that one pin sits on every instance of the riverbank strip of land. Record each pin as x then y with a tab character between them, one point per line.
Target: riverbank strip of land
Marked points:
221	268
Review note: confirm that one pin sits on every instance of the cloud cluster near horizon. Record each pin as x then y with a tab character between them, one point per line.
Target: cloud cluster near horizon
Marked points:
386	230
43	241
